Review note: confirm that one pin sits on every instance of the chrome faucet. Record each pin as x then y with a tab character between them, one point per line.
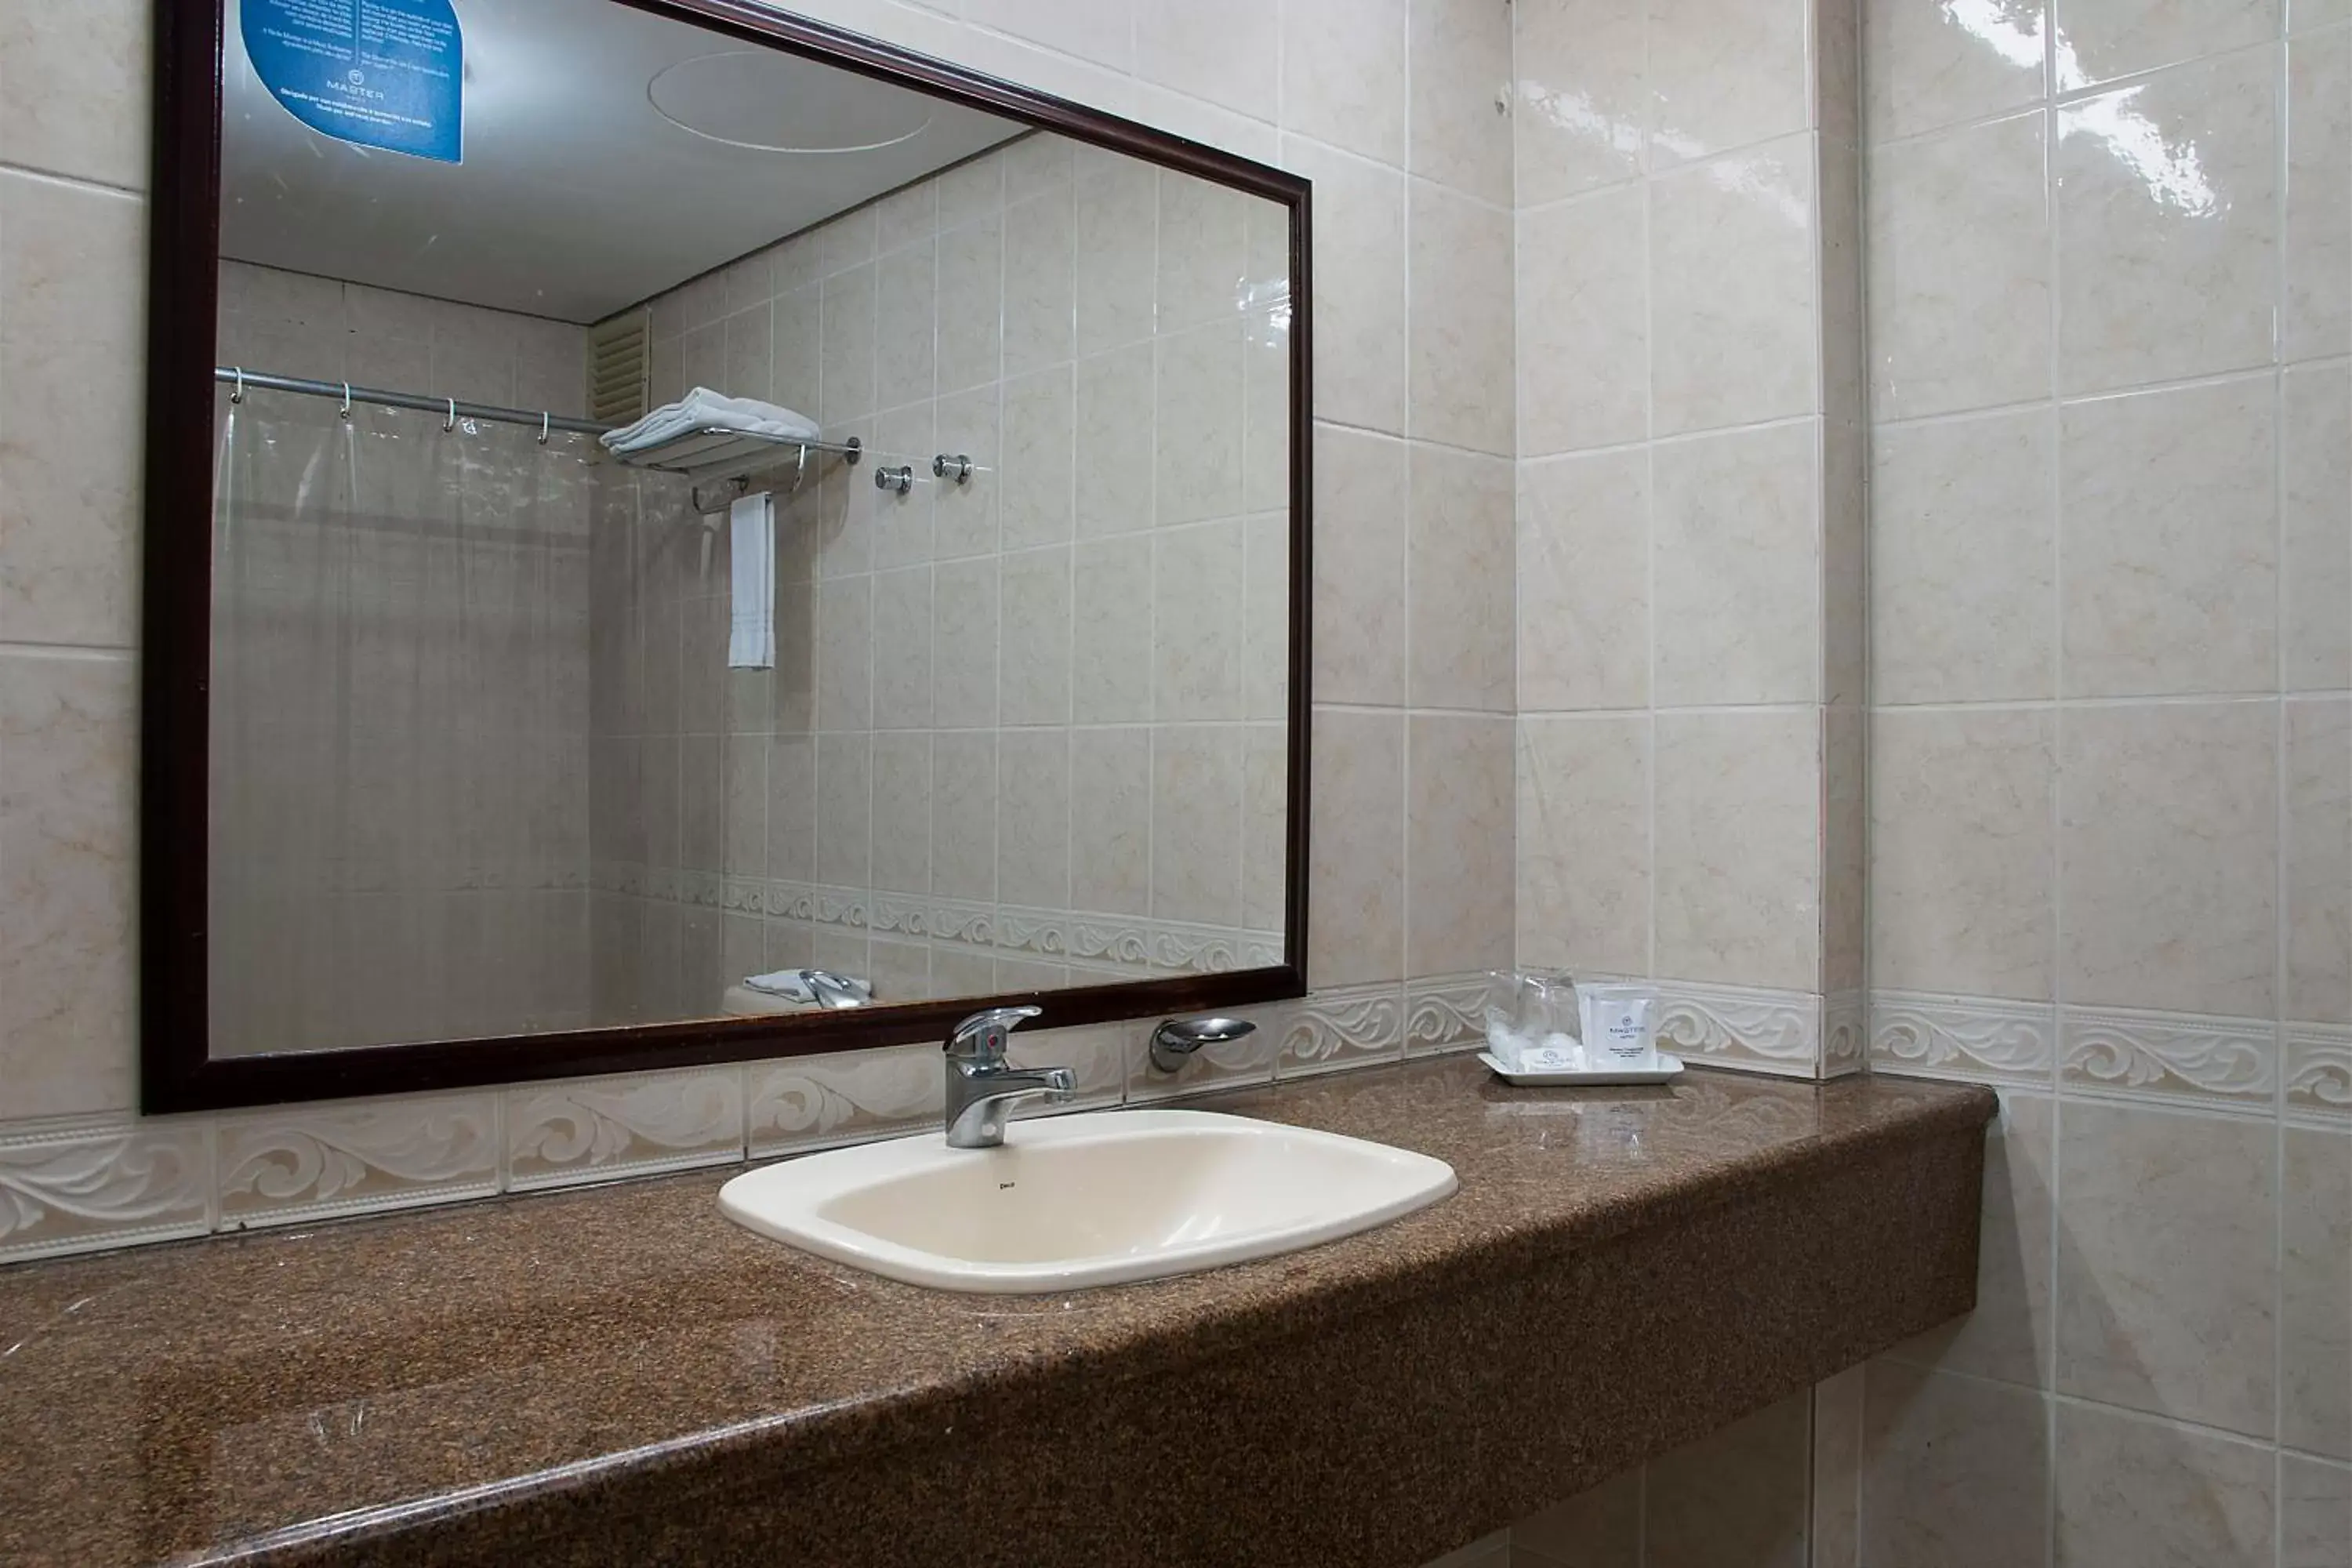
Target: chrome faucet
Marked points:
981	1083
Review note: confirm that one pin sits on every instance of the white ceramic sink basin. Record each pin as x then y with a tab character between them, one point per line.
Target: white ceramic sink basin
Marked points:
1100	1198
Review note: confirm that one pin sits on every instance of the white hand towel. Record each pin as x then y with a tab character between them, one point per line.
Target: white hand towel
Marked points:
702	408
751	630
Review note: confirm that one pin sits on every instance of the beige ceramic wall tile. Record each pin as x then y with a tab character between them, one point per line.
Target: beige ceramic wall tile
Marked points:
1597	1529
1834	1529
969	351
1460	575
2167	1268
1584	582
1735	1499
1462	315
1362	503
1117	265
1962	862
2008	1337
1196	813
1360	280
1584	845
1582	108
2315	409
1196	611
1110	820
2318	912
1460	135
76	90
2168	509
1033	483
72	270
2315	1292
1845	872
1583	324
1959	269
1956	1471
1739	853
1226	51
1343	75
1458	845
1110	646
1033	824
1356	883
1734	337
2168	838
846	388
1032	671
1113	483
2191	245
2315	1512
1925	67
1962	560
902	813
2318	306
68	740
1737	567
1724	74
963	815
845	798
2132	1491
2103	39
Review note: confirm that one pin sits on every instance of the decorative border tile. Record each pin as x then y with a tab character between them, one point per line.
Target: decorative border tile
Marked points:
817	1102
1845	1035
597	1129
307	1162
2318	1072
1746	1028
1346	1026
1443	1014
99	1185
2172	1056
1050	935
1964	1038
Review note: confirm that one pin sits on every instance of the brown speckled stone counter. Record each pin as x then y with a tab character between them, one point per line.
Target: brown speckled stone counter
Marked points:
620	1375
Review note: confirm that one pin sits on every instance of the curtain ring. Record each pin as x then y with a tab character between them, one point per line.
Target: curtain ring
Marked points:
346	409
545	419
239	395
451	423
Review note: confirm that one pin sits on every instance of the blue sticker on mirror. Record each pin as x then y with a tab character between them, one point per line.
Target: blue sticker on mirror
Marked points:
376	73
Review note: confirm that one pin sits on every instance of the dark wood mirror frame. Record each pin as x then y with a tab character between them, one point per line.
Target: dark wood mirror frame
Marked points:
177	1071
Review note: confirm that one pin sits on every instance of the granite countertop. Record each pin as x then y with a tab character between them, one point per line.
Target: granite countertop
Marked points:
277	1393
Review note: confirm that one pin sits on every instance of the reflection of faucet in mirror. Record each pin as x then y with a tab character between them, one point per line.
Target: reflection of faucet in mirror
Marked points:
981	1083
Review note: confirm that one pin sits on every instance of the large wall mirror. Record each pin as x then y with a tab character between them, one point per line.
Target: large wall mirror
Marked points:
678	535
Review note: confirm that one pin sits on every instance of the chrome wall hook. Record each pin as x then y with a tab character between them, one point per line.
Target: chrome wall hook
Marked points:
345	412
958	468
900	478
239	395
450	424
545	420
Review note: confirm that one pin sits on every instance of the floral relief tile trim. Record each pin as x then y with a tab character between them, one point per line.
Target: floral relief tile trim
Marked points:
307	1162
2230	1061
1951	1036
1346	1026
1445	1013
810	1102
2318	1073
1845	1035
87	1188
1074	936
1744	1028
592	1131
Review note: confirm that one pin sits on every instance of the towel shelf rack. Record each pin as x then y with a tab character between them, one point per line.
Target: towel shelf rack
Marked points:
711	455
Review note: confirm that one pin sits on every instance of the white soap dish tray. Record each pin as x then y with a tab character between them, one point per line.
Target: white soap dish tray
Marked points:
1592	1077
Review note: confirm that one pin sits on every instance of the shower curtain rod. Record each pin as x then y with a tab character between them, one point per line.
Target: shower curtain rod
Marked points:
450	408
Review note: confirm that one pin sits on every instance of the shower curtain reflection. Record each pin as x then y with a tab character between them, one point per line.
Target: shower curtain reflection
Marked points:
399	760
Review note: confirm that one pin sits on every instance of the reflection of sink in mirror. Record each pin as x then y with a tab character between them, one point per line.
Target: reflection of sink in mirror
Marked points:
1098	1198
570	714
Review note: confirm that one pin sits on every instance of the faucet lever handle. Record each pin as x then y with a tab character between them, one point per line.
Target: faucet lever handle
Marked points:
981	1037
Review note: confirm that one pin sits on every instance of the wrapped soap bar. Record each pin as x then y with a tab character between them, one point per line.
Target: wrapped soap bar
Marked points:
1620	1027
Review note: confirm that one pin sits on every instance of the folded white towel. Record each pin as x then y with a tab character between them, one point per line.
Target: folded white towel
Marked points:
751	612
796	985
702	409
